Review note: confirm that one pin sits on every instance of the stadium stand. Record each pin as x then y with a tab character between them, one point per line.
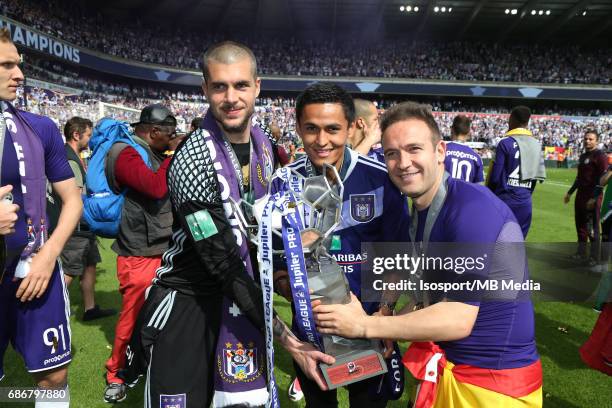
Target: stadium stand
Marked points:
553	130
443	60
93	94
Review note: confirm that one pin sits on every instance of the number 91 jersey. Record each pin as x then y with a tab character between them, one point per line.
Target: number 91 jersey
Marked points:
463	163
39	330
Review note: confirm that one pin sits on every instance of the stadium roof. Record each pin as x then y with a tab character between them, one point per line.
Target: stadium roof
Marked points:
577	21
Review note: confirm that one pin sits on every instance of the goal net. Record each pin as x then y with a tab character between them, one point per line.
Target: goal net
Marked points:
109	110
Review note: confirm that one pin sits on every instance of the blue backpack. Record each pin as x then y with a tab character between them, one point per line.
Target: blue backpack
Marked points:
101	205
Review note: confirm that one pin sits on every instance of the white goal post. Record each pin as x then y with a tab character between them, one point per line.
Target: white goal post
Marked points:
118	112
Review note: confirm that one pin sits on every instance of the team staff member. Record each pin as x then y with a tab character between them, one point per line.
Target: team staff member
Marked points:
486	349
34	309
80	254
605	215
145	229
597	350
592	165
204	301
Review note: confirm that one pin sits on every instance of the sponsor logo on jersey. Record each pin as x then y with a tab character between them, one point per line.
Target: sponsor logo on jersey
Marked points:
349	262
362	207
239	363
350	258
461	154
57	358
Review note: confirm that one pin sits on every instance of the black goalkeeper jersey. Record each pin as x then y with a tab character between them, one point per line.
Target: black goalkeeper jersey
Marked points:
209	266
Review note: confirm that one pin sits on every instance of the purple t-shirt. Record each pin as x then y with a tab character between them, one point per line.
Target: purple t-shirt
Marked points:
463	163
503	334
505	180
56	168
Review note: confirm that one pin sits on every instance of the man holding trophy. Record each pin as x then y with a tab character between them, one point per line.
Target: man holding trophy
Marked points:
468	349
332	200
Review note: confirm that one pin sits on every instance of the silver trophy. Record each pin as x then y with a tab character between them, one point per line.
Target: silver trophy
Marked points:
320	205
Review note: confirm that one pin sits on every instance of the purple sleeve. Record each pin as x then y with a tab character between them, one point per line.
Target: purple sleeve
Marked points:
474	238
56	164
486	230
498	166
479	173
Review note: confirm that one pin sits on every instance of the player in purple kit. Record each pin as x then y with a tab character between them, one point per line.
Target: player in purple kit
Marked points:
325	116
486	348
517	165
34	307
461	161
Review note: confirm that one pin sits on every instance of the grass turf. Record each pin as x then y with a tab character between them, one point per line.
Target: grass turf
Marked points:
567	381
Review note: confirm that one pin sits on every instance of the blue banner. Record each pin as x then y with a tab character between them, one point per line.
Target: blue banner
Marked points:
43	43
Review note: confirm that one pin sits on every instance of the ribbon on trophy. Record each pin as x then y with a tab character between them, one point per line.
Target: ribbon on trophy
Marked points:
266	279
298	278
285	202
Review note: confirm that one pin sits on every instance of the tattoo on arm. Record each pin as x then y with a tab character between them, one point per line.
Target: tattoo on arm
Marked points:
280	330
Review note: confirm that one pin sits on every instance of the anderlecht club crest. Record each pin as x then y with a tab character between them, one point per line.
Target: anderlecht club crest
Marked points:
362	207
240	363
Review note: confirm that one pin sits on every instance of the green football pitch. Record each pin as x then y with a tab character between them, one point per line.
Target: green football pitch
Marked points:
560	329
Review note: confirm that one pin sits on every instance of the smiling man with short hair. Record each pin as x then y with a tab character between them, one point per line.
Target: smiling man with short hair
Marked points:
486	348
373	210
204	301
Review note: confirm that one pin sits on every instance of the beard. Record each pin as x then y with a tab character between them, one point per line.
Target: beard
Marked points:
241	127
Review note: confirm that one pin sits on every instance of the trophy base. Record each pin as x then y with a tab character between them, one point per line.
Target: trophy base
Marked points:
353	367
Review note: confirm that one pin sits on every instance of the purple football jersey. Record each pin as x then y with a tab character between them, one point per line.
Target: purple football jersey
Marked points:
503	334
506	183
374	210
377	154
463	163
39	329
56	169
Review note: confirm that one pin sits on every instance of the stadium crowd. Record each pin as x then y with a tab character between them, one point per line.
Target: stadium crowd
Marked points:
107	90
470	61
553	130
